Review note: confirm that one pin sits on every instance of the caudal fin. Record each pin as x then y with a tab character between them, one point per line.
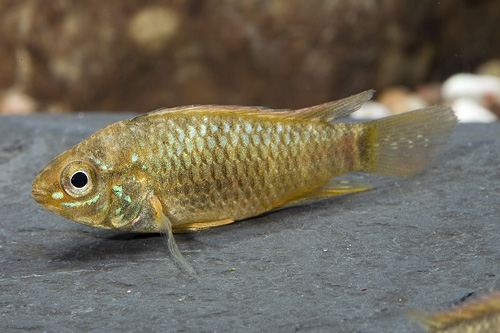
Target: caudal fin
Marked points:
404	144
482	313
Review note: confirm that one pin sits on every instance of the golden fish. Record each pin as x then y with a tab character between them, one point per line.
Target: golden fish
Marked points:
196	167
482	315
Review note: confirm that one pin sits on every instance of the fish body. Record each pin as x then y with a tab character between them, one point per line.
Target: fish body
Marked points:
197	167
481	315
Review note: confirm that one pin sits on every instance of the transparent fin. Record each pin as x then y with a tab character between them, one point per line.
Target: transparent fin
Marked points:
165	226
175	253
330	189
332	111
188	227
426	319
404	144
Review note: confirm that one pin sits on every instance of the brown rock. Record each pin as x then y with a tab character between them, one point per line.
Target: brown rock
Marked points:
490	67
16	102
400	99
152	27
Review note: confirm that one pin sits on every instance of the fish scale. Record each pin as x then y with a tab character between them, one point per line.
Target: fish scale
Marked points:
197	184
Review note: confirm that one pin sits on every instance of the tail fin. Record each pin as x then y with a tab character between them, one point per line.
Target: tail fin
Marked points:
482	312
404	144
427	319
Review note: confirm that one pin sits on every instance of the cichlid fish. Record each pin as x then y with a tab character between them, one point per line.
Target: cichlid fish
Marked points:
482	315
197	167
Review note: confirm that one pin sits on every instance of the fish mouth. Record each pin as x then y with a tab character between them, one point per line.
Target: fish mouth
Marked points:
39	195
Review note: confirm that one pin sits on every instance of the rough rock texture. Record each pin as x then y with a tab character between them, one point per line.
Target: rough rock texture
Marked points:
116	55
354	263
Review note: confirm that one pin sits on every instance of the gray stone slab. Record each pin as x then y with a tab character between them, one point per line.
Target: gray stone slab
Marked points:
354	263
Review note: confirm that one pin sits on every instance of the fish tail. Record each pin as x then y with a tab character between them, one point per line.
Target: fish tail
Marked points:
403	144
427	319
478	311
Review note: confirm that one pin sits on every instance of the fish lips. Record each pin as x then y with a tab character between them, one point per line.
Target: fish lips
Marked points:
40	196
39	189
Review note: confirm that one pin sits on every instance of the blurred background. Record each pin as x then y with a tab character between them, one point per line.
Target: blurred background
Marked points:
67	56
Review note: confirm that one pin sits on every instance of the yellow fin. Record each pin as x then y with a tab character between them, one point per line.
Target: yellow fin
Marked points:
200	225
326	112
217	109
427	319
468	312
330	189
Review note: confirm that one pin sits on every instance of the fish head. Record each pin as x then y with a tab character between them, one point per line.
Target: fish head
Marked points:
73	187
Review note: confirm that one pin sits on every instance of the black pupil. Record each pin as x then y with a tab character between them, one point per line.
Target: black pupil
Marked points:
79	179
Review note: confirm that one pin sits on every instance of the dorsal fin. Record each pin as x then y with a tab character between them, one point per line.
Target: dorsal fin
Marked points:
259	111
326	112
332	111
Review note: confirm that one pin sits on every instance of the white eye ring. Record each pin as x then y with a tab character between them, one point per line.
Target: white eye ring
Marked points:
79	179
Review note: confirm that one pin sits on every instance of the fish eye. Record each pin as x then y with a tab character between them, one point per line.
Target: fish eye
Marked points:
78	179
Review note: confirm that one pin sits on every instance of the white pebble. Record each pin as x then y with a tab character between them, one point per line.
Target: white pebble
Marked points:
469	110
471	86
371	110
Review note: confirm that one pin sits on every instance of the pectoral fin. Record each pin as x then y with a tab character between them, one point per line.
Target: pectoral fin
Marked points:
330	189
165	227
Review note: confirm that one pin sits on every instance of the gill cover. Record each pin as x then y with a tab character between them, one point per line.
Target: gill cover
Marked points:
127	198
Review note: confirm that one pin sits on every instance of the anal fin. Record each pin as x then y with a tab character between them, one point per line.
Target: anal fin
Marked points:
330	189
196	226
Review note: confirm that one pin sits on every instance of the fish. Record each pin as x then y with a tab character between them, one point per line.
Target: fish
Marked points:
196	167
480	315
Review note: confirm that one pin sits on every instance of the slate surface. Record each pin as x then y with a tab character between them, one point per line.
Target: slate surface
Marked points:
351	264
